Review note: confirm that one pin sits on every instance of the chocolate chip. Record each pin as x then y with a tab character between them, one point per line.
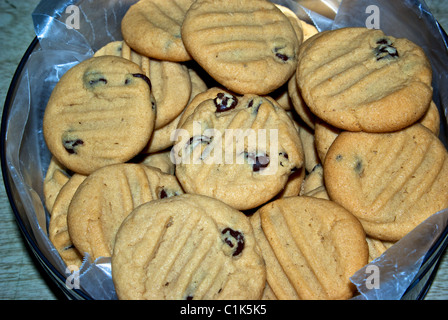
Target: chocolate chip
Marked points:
93	79
225	102
189	298
234	239
258	161
385	49
359	168
142	76
163	194
280	55
70	145
199	139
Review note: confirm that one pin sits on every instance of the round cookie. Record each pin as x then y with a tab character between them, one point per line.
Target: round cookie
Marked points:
160	160
431	119
324	135
153	28
240	150
360	79
377	247
314	184
170	81
161	138
106	197
99	113
390	181
58	229
121	49
311	248
187	247
55	178
299	105
247	46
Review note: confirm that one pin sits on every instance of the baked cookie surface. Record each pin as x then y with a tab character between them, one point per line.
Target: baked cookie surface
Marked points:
58	228
240	150
187	247
99	113
390	181
311	248
106	197
360	79
153	28
247	46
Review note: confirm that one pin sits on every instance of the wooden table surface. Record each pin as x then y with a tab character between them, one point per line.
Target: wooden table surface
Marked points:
21	278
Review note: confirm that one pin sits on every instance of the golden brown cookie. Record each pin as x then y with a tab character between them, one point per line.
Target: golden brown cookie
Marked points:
247	46
160	160
99	113
377	247
170	81
106	197
121	49
238	149
187	247
55	178
324	135
153	28
58	229
298	104
314	184
311	248
161	138
360	79
390	181
431	119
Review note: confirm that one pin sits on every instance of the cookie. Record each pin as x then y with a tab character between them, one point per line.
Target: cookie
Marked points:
377	247
55	178
311	248
58	229
314	184
121	49
246	46
324	135
99	113
153	28
106	197
161	138
390	181
238	149
188	247
160	160
311	156
294	20
308	30
299	104
431	119
170	81
360	79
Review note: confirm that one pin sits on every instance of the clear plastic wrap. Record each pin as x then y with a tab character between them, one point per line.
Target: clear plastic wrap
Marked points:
60	48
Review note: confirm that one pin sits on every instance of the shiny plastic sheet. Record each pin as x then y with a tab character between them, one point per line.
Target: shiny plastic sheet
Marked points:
60	48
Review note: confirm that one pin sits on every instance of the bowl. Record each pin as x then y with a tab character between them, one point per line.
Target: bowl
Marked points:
24	156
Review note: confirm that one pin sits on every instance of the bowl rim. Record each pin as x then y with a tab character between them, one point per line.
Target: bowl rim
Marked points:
47	266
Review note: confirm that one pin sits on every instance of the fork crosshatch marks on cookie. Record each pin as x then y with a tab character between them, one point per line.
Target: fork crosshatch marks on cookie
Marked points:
258	148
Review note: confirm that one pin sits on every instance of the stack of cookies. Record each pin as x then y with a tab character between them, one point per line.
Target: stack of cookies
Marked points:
229	150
